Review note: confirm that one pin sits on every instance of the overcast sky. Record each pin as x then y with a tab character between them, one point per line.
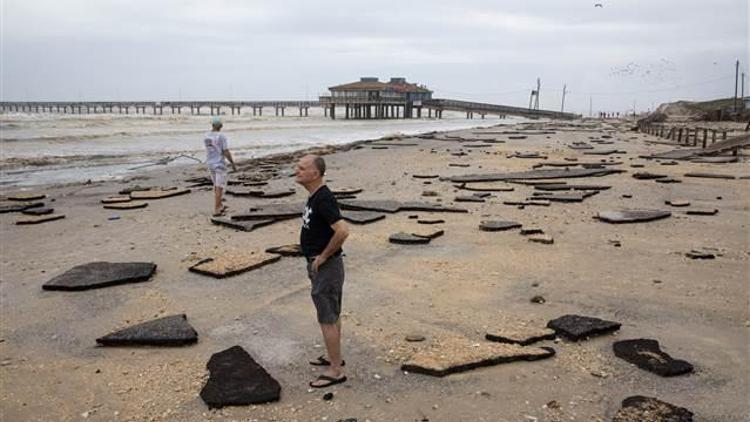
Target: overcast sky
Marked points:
642	51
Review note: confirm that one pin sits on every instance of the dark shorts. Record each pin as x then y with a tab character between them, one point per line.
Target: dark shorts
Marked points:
327	286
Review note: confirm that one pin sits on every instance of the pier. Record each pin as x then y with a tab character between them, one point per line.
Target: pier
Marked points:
157	107
356	107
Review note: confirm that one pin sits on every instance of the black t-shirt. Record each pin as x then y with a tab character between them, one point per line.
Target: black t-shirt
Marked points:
321	211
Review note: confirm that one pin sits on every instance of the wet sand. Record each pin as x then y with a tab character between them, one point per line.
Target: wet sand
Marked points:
463	283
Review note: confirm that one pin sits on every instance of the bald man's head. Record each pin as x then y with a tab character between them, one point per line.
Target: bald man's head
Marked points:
309	168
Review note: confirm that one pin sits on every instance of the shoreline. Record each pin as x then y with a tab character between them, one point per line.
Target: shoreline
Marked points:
11	189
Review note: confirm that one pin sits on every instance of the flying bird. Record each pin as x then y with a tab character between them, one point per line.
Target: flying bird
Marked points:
598	5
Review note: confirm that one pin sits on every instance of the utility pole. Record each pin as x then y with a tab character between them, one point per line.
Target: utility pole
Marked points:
736	75
562	107
591	102
633	108
538	88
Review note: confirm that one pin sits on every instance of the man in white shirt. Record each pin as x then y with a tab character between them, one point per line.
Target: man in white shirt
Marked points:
217	154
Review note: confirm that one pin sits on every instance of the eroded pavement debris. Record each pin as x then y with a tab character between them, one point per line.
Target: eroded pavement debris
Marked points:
231	263
96	275
452	355
236	379
577	327
646	354
173	330
649	409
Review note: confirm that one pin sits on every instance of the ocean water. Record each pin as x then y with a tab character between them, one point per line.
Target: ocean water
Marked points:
42	148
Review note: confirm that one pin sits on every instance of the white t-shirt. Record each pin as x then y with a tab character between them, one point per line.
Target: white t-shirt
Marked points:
216	144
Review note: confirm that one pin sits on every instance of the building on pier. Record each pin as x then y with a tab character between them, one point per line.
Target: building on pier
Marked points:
369	98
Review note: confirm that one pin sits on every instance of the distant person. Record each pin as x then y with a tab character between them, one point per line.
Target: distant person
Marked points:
217	154
322	234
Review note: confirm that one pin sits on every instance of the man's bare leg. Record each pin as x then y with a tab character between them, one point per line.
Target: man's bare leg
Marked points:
217	199
332	339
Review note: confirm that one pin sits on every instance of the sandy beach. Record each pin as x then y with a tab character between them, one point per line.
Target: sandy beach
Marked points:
460	285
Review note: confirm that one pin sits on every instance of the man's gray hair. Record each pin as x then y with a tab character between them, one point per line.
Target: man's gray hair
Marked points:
320	164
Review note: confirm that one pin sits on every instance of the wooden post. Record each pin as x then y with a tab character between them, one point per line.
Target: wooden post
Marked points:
705	137
724	136
679	136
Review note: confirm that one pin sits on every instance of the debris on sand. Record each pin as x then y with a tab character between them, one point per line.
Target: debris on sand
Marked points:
646	354
453	355
649	409
632	216
231	263
173	330
236	379
577	327
96	275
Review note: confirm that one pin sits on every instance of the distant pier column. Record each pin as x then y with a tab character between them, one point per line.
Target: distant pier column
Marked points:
346	111
333	111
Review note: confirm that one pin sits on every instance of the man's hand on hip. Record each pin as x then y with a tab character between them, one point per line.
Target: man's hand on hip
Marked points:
317	262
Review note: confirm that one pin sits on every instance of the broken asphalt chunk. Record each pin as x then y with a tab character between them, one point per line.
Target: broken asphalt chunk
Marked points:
646	354
271	211
459	355
18	206
710	175
632	216
95	275
38	219
520	334
38	211
497	225
236	379
232	263
577	327
402	238
130	205
535	174
23	197
649	409
173	330
702	212
362	217
644	175
429	234
243	225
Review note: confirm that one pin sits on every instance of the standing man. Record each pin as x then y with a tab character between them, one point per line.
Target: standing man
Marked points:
217	152
323	232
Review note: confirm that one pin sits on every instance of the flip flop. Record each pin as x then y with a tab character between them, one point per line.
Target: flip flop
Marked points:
322	361
331	381
221	212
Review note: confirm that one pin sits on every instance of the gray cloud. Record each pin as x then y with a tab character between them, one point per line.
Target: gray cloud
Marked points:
477	50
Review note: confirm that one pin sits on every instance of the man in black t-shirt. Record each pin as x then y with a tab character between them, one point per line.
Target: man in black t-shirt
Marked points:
323	232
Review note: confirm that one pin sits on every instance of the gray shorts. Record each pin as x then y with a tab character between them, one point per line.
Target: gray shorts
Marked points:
327	288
